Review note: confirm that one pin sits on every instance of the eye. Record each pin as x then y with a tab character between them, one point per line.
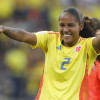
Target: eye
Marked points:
61	24
71	25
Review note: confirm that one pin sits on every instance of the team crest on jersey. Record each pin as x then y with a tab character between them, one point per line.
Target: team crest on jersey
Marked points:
78	48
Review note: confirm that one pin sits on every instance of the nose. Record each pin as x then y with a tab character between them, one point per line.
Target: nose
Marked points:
66	29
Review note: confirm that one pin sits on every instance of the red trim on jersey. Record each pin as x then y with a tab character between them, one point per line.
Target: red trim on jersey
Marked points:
41	84
81	39
47	50
58	34
84	86
54	33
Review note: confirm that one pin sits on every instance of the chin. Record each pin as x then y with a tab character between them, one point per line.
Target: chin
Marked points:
67	40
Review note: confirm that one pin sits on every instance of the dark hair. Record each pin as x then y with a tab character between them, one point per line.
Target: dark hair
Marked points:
91	25
75	12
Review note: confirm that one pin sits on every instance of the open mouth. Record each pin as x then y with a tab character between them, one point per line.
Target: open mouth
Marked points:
67	35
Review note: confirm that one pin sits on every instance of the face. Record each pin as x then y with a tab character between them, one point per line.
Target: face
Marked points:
69	29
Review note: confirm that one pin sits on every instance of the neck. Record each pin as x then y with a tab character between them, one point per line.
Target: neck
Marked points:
70	44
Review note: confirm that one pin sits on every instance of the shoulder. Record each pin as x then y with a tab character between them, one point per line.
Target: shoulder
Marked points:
85	39
48	33
81	39
53	33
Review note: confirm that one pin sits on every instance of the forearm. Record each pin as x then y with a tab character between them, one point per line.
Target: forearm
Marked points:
15	33
96	43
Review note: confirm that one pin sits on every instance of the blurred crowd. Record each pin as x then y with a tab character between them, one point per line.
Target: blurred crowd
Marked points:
21	67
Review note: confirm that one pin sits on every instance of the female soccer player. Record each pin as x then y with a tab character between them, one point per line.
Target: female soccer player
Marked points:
66	55
93	80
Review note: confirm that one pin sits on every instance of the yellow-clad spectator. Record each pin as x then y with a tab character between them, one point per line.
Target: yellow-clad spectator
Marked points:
16	60
6	8
95	13
36	3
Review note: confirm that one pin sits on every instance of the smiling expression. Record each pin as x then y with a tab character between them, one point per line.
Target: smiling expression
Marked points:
69	29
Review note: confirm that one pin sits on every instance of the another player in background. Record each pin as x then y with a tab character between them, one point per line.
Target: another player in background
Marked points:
66	55
91	82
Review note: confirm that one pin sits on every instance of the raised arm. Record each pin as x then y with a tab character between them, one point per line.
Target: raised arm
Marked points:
96	42
92	29
19	34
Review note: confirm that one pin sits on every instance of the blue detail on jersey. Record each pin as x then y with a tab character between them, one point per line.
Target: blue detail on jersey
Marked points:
94	68
65	62
59	47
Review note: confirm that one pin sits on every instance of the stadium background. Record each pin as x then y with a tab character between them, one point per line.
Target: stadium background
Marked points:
20	66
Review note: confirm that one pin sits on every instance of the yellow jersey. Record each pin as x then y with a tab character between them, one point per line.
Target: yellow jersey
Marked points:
64	66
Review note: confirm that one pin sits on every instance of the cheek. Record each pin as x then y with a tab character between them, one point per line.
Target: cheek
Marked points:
60	28
77	30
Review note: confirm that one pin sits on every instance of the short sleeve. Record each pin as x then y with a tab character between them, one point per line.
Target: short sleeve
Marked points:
91	53
42	38
90	50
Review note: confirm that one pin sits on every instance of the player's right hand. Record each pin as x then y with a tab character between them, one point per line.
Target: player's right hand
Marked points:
1	29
